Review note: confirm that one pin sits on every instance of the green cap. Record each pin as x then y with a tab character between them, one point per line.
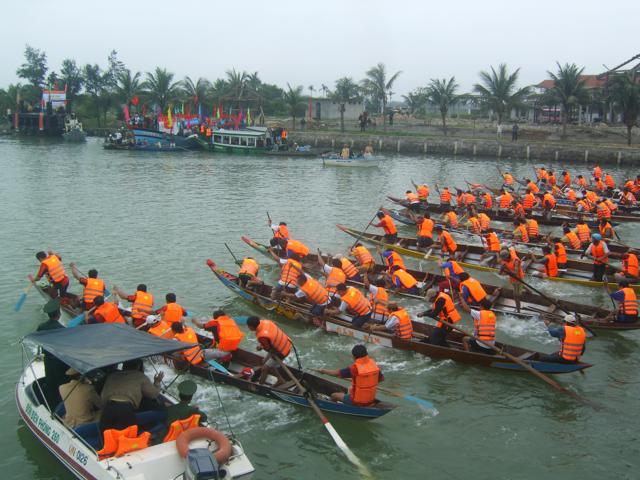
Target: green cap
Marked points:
187	388
52	305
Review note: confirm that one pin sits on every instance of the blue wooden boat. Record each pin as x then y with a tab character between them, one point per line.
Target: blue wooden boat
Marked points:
151	138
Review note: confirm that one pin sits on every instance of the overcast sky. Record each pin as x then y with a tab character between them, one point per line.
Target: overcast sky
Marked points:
308	42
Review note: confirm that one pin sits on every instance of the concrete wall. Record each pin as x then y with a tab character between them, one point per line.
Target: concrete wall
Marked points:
324	109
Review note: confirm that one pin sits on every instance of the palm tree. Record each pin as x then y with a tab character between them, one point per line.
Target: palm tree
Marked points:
128	86
9	97
325	90
295	102
236	86
442	93
196	93
568	90
346	91
415	100
160	87
625	97
378	87
498	90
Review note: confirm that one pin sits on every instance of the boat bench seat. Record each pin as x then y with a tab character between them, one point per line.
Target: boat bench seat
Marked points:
150	421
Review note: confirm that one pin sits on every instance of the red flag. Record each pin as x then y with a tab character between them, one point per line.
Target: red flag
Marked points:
125	109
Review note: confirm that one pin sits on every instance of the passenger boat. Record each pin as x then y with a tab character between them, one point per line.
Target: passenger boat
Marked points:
246	140
151	138
468	256
367	161
89	349
531	304
342	325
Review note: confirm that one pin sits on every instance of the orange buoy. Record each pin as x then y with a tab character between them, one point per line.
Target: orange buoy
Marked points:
188	436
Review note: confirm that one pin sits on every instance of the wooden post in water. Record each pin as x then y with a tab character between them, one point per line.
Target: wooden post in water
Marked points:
556	157
398	147
424	147
333	143
474	149
380	145
455	148
500	151
528	152
619	157
586	156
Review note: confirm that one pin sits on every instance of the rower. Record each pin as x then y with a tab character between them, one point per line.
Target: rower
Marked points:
552	180
504	200
445	197
353	302
560	252
528	201
599	184
444	308
629	267
363	257
335	275
572	338
532	228
473	224
491	244
451	271
226	335
487	200
413	200
93	286
599	252
609	182
471	289
469	198
581	182
424	236
390	230
520	233
172	311
484	326
141	303
627	303
272	340
445	243
548	203
605	229
391	258
291	268
423	192
378	297
532	187
296	249
51	265
403	281
602	209
105	312
511	263
158	327
570	239
628	199
316	295
570	194
248	273
280	234
349	269
566	179
485	221
597	171
399	323
549	262
583	232
186	334
365	376
507	180
450	217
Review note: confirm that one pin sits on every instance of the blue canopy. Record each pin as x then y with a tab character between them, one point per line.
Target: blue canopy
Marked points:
89	347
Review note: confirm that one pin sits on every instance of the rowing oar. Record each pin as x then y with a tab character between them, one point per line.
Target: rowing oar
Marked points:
395	393
605	284
325	421
238	262
526	366
23	295
365	228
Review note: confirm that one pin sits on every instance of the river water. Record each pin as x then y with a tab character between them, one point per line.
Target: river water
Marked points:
156	218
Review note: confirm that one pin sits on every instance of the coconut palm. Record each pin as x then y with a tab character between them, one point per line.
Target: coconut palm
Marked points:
442	93
625	97
236	86
160	88
568	90
196	93
294	100
378	87
415	100
325	90
498	91
128	86
346	91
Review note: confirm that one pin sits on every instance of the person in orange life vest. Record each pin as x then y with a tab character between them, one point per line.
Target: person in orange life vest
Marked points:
93	286
533	188
399	323
605	228
445	243
629	267
51	265
248	273
172	311
510	264
451	271
484	326
226	335
403	281
390	230
533	230
293	247
378	297
553	181
628	198
491	244
572	339
275	342
353	302
363	257
349	268
391	258
158	327
365	376
442	307
471	290
597	171
288	274
141	303
105	312
599	251
570	239
423	192
182	333
560	252
627	303
583	232
504	200
414	201
549	263
581	181
280	234
316	295
424	234
520	233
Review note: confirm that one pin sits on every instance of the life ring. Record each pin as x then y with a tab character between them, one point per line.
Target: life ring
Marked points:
188	436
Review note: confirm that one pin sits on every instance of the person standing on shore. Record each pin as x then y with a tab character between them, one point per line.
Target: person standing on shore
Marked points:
514	132
499	132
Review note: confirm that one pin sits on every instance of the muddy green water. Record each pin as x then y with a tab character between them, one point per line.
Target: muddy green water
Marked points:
156	218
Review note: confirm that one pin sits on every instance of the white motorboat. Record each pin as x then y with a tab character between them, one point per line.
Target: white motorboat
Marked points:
73	131
88	349
359	161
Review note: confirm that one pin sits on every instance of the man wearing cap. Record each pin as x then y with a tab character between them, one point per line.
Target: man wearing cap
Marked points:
54	369
572	341
183	409
82	403
599	251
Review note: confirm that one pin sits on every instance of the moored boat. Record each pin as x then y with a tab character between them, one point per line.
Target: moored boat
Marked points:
367	161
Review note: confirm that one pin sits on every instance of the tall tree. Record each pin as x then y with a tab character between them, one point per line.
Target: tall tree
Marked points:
498	91
236	86
568	90
442	93
196	92
415	100
93	80
128	86
160	88
34	69
378	86
9	97
295	102
71	76
325	90
625	98
345	92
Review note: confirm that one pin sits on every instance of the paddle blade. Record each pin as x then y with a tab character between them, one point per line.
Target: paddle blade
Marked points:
20	302
423	403
218	367
75	321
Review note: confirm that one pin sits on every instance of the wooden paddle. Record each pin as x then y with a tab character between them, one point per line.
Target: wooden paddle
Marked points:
332	431
365	228
526	366
23	295
238	262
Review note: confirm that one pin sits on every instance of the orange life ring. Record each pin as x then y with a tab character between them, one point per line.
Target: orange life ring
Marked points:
186	437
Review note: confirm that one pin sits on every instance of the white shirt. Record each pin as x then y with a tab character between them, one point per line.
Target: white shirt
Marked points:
475	314
391	323
604	245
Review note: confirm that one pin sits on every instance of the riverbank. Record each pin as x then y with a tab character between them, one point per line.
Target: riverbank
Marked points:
530	150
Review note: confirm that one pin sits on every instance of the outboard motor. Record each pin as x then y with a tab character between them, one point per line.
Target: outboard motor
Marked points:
200	464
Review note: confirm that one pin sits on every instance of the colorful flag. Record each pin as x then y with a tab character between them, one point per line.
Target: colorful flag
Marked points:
169	118
249	117
218	113
125	109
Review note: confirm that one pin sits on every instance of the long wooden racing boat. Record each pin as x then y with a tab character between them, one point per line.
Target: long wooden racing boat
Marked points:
321	387
504	302
300	311
469	256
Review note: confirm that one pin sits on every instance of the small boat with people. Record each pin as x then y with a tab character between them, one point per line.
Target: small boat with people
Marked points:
147	140
73	131
363	161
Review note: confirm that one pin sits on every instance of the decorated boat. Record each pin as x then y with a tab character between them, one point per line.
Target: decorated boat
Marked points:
245	140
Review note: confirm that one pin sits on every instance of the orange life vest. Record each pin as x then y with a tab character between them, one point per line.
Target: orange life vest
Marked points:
598	251
475	288
282	232
566	179
141	307
591	196
192	355
412	198
335	277
162	330
406	280
172	313
603	229
597	171
395	259
425	228
423	192
485	221
629	306
363	256
110	313
493	242
582	182
474	225
524	235
488	201
600	185
505	200
445	196
561	253
404	328
469	198
229	335
455	269
279	340
348	268
388	226
603	210
357	303
179	426
453	219
609	181
552	179
551	267
129	444
528	201
55	270
249	267
289	273
571	195
583	232
208	132
532	227
518	210
533	187
315	293
93	288
574	241
582	206
548	201
111	439
573	343
485	327
630	265
448	243
297	247
612	206
511	265
449	312
365	383
379	301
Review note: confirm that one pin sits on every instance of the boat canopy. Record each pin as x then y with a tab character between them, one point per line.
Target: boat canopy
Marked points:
89	347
